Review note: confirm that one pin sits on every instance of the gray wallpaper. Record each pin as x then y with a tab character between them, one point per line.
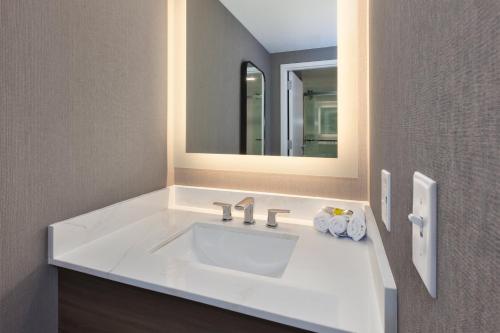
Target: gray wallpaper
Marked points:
277	59
217	44
435	108
82	126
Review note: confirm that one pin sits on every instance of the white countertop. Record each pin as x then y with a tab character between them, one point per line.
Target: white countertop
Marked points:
328	285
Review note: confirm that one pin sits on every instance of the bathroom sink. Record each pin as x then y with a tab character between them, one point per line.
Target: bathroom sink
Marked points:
236	248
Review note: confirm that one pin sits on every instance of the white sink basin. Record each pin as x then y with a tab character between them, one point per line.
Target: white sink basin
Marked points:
237	248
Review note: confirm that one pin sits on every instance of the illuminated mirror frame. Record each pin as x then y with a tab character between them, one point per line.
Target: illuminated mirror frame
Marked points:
349	79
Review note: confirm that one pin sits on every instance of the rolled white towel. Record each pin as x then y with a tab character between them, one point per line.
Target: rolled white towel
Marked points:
356	229
338	225
322	221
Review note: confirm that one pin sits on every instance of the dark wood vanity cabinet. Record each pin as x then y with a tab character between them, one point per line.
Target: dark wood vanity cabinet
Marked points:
90	304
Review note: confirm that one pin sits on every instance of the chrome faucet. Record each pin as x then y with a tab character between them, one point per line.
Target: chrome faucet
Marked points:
271	216
226	210
246	205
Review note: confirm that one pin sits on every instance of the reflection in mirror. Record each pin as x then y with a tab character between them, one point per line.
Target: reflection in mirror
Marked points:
260	82
320	112
252	110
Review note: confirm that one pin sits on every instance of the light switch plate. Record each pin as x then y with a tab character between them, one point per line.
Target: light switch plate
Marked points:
424	248
385	198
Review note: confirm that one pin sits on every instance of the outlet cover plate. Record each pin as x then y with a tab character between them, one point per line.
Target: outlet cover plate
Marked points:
386	199
424	247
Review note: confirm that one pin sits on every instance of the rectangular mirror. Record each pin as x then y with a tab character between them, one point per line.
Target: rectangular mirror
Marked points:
262	78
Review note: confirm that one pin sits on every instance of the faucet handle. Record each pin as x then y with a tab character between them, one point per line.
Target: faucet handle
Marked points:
271	216
226	210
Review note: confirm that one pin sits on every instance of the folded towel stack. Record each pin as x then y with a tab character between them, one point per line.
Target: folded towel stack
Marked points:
356	229
322	221
340	223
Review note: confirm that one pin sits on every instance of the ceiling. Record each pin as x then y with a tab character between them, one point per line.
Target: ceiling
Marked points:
288	25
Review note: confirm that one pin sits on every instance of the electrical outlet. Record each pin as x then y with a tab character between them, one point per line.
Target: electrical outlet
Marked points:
386	199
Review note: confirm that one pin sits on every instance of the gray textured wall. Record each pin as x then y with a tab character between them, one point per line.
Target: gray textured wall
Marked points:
435	108
277	59
82	125
217	44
